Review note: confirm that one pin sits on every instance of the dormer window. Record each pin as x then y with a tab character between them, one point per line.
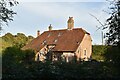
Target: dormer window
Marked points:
59	34
49	34
44	42
77	42
55	40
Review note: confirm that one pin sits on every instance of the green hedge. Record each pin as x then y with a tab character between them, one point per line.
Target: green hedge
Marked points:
20	65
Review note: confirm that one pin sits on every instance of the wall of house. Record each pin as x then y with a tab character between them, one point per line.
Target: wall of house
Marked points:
39	56
68	56
85	49
56	56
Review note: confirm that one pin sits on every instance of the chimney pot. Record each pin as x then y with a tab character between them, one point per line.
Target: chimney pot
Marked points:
50	27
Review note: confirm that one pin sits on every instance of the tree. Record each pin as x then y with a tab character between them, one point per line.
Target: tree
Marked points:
6	12
16	63
113	24
19	40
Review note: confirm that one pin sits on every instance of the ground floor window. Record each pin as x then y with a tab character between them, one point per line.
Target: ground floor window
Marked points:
37	57
85	52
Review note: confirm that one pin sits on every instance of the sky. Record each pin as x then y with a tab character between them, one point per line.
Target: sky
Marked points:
33	15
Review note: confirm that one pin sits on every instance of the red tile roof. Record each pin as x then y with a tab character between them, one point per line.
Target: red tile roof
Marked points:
65	40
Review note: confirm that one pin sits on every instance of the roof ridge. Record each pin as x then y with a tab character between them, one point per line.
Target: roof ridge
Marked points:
62	29
56	30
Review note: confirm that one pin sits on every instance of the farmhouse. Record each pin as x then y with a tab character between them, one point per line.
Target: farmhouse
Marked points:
66	44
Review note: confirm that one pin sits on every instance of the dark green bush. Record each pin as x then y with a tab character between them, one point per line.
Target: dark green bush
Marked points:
98	52
15	62
19	65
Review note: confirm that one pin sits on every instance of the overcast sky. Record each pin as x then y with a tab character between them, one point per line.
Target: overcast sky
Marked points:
36	15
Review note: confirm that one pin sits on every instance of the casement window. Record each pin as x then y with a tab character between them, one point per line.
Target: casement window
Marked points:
85	52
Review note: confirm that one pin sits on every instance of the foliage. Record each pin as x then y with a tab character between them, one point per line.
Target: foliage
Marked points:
6	12
98	51
19	40
113	24
9	40
8	37
19	65
112	54
106	53
14	62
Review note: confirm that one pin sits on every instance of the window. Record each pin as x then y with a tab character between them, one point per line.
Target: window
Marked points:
49	34
85	52
55	40
59	34
77	42
38	57
44	42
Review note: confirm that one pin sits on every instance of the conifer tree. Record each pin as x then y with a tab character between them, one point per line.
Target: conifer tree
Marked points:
113	24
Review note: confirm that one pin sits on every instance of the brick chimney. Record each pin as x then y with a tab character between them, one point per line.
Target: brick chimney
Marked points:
70	23
50	27
38	33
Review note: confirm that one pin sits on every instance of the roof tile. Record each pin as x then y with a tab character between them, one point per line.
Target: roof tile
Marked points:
65	40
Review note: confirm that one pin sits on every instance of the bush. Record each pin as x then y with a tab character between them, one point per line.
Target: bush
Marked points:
15	62
19	65
98	52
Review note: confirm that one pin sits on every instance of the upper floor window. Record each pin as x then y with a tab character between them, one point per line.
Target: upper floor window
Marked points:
44	42
55	40
49	34
59	34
